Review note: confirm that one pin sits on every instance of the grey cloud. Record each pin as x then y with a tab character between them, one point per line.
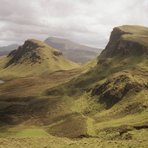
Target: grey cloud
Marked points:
86	21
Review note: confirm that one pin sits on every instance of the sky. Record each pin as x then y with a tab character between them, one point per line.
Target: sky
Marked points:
87	22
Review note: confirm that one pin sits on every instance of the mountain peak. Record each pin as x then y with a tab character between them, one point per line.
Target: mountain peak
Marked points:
127	40
31	51
38	57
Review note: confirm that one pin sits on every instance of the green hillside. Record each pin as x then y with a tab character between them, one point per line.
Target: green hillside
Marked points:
34	58
116	89
102	104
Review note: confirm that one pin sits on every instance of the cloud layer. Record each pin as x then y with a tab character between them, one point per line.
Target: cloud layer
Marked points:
85	21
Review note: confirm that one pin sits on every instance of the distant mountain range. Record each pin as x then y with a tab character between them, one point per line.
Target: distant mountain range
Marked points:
73	51
6	49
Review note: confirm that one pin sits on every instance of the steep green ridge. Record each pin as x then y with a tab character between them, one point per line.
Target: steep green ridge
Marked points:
127	40
117	85
34	58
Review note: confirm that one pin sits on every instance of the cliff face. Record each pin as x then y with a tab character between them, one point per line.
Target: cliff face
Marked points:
125	41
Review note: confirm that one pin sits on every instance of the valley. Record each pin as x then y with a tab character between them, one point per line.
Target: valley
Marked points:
49	101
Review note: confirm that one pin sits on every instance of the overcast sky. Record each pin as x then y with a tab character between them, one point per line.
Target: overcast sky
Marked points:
85	21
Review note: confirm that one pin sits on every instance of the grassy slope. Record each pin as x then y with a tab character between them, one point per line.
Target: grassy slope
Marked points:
138	34
122	110
121	125
121	114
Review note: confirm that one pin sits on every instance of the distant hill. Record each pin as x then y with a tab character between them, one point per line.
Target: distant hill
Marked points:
6	49
34	57
73	51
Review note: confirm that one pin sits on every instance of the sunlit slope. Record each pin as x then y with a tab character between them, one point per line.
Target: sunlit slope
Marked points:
34	58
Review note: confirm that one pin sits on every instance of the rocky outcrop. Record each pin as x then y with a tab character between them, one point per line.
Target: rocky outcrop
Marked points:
124	42
113	90
57	53
25	52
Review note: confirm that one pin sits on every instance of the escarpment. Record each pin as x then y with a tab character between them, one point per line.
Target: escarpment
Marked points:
127	41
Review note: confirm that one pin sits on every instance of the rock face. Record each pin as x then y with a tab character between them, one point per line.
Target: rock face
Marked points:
127	40
116	88
28	51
